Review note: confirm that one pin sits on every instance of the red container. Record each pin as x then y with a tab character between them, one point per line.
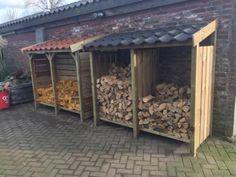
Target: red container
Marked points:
4	100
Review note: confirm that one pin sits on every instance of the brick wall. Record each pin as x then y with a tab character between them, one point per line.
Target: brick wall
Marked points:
186	13
175	65
14	57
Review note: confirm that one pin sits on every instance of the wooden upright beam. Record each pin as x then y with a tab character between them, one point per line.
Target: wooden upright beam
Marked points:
213	80
53	79
34	80
194	129
76	57
133	56
205	32
94	90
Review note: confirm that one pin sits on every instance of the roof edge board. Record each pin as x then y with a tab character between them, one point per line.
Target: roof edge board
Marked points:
203	33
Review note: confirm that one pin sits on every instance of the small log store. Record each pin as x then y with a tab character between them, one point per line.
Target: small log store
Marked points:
159	81
61	75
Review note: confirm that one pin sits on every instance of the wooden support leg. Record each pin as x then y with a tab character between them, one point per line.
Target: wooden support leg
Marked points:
76	57
53	78
94	91
34	81
134	93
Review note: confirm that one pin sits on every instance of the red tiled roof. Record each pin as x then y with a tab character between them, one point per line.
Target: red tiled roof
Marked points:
54	44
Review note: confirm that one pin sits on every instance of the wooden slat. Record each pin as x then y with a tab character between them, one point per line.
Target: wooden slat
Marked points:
213	77
193	142
203	94
34	80
66	73
53	79
211	86
66	78
79	82
139	54
133	56
93	83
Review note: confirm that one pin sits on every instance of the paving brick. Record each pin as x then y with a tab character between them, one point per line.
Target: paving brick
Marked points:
47	146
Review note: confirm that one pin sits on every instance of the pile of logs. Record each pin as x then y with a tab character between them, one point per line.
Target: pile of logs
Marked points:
45	95
114	95
67	92
168	111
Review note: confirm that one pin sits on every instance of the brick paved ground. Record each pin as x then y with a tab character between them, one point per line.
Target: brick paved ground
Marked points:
39	144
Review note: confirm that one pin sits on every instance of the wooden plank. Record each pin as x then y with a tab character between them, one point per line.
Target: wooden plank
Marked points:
133	56
34	80
66	78
93	84
79	81
53	79
68	61
193	146
164	135
205	32
203	117
208	88
66	73
139	54
213	79
199	97
114	122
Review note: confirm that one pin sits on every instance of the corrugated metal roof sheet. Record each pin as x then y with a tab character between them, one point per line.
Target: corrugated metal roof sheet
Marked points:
148	37
56	44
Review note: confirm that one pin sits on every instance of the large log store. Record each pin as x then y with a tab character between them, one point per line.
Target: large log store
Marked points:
61	75
158	81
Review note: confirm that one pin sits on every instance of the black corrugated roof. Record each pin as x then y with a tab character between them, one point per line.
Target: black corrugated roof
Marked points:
148	37
52	11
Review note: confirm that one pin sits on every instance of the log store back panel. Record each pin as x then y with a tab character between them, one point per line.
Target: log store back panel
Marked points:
65	67
42	69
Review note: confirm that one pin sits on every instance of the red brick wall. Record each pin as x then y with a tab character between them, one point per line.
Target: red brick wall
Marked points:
14	57
185	13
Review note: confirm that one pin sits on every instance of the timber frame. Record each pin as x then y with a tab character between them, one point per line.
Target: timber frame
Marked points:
50	56
202	60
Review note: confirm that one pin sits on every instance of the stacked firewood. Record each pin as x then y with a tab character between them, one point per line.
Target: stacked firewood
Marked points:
45	95
168	111
68	97
114	95
67	92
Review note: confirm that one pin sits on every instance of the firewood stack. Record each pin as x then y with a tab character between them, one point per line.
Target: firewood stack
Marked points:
68	94
114	95
45	95
67	91
168	111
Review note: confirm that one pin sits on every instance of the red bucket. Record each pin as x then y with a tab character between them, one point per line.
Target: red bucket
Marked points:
4	100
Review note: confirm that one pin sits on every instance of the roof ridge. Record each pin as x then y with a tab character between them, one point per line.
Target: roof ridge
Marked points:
51	11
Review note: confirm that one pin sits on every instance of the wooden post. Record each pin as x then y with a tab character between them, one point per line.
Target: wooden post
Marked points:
34	81
193	91
76	57
94	90
53	79
134	92
213	80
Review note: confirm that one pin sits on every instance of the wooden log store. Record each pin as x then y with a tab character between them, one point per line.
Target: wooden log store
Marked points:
159	81
60	74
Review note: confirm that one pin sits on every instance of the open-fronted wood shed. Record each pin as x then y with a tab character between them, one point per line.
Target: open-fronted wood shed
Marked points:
61	75
159	81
